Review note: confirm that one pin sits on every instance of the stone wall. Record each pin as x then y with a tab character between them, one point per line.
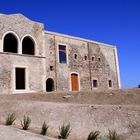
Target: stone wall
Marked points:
100	62
34	72
34	65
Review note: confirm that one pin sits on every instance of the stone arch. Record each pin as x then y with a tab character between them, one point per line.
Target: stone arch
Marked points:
10	42
28	45
49	85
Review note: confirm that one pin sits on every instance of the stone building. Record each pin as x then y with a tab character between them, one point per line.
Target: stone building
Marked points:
35	60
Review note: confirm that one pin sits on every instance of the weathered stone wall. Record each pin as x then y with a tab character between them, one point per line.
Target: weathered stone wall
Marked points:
20	26
88	69
34	70
104	69
50	53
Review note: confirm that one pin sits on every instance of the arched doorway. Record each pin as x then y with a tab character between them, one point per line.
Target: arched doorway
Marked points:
10	43
74	82
49	85
28	46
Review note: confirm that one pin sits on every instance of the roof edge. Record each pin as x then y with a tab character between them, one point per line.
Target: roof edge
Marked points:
82	39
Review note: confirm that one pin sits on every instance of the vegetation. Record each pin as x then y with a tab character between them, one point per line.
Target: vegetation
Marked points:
113	135
93	135
44	129
26	122
10	119
64	131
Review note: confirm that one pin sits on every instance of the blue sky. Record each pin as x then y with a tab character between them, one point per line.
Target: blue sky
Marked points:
110	21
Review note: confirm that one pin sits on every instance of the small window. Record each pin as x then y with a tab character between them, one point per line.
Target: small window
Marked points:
92	58
94	83
99	59
85	57
110	83
51	68
62	54
75	56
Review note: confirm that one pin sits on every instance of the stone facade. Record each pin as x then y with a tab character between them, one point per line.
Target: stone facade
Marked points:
93	65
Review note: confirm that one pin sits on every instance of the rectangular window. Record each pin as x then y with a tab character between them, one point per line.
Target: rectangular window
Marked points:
20	78
110	83
94	83
62	54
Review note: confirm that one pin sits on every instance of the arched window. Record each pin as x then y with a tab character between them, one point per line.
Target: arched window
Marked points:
10	43
28	46
49	85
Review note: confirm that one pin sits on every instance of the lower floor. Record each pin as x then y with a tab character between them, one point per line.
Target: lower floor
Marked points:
21	81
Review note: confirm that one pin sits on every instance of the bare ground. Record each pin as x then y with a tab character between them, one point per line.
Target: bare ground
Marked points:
9	102
110	97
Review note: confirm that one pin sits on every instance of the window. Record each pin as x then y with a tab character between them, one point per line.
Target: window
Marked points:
92	58
28	46
62	54
10	43
94	83
99	59
110	83
85	57
51	68
75	56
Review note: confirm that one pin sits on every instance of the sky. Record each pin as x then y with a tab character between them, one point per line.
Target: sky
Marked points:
115	22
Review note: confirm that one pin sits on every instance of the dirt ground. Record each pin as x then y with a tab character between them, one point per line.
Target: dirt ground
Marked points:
111	97
45	103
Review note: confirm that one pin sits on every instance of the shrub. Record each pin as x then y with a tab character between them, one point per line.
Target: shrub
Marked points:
113	135
26	122
44	129
93	135
64	131
10	119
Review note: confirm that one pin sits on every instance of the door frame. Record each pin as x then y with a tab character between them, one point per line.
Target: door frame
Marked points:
79	87
14	79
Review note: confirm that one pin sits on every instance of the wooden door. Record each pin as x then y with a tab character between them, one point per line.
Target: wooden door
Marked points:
74	82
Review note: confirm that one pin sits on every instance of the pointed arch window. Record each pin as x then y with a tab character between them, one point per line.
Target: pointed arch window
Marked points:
28	46
10	43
